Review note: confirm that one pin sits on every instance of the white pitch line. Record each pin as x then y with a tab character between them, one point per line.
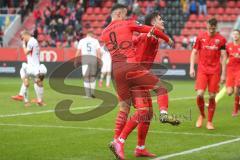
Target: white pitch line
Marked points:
197	149
108	129
76	108
42	112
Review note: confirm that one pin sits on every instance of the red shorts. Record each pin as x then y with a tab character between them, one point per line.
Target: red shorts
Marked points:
208	80
233	78
131	76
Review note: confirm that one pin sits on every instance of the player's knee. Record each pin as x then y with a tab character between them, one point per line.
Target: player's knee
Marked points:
212	96
200	93
229	91
124	106
26	83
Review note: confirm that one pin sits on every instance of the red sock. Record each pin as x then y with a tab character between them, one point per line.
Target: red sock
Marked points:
236	103
201	103
211	109
142	132
162	101
120	123
138	117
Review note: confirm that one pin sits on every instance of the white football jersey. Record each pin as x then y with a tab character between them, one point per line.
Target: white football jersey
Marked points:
33	57
88	46
105	54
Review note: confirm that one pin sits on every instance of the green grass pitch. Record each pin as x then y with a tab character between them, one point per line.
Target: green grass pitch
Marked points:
35	133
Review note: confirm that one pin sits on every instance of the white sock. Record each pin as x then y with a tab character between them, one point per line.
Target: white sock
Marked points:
108	80
101	77
39	92
22	90
163	112
93	86
121	140
25	94
140	147
87	88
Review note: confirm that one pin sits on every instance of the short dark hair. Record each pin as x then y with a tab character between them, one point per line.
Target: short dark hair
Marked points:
237	30
150	17
212	22
118	6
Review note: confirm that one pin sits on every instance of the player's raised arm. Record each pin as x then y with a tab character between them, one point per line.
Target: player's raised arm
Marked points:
145	29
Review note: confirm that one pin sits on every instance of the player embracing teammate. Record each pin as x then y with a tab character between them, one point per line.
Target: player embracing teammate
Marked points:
117	37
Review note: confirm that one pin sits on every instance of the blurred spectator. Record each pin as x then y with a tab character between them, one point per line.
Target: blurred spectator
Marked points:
157	6
192	40
185	7
44	43
1	36
149	8
95	3
222	3
193	7
60	29
136	8
37	15
185	43
202	7
7	21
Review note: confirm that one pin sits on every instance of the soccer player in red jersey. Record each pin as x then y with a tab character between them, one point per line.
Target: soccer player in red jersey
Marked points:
147	45
117	37
211	49
233	71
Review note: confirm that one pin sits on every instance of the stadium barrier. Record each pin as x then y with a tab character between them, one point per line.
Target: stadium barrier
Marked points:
177	61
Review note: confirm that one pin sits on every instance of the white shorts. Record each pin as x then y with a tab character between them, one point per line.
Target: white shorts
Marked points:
107	66
27	71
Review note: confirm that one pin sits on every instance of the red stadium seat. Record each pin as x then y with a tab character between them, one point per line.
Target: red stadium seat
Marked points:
197	24
220	11
233	17
98	31
229	11
100	17
96	24
238	4
89	10
162	4
186	32
212	11
178	45
108	4
193	17
105	10
97	10
203	25
189	24
201	18
145	4
84	17
236	11
231	4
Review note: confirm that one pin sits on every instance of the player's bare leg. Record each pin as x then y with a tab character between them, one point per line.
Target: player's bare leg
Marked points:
108	79
100	83
211	111
200	103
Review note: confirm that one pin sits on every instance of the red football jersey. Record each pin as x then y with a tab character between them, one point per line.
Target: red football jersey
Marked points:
146	48
209	52
232	51
117	37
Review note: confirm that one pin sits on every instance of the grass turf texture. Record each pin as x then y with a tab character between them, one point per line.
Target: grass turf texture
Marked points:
45	137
